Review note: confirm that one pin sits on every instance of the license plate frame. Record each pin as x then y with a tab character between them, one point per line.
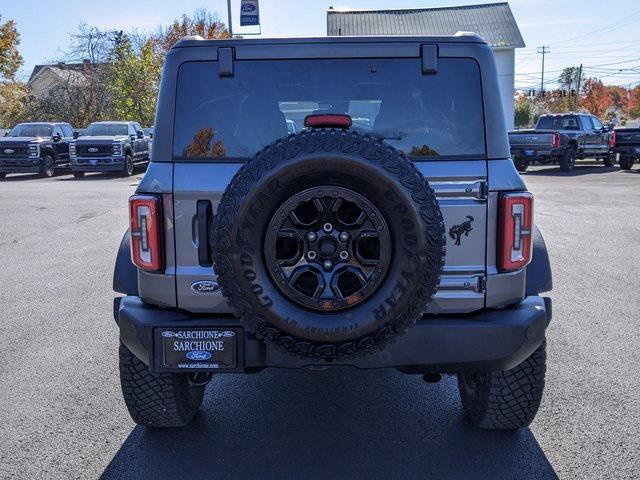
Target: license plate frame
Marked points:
198	348
529	153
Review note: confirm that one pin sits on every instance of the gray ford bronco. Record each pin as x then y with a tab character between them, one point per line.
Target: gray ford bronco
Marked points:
332	202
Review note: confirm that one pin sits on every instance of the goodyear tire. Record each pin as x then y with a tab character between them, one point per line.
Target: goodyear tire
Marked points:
157	399
505	400
363	204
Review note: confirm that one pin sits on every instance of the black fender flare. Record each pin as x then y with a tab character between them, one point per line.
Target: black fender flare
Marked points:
125	273
538	272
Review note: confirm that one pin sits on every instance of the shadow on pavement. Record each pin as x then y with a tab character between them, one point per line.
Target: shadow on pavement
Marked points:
337	423
578	170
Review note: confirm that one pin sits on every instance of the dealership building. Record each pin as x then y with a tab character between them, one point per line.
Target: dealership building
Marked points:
494	22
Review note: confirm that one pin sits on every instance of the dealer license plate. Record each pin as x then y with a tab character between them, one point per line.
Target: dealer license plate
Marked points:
199	348
529	153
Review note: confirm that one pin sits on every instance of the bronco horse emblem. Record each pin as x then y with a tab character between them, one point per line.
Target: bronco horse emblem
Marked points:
464	228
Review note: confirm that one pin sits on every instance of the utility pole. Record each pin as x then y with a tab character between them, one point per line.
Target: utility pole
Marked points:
230	26
543	50
629	101
578	90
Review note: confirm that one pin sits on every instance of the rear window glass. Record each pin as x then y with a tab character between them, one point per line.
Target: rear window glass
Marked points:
558	123
423	115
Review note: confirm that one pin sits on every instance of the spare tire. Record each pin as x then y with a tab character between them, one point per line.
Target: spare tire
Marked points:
328	244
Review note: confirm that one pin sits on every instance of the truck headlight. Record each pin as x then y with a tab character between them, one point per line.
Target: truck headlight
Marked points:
117	149
34	150
73	154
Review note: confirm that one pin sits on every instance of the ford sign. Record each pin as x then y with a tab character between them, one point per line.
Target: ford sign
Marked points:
93	149
205	286
9	150
198	355
249	13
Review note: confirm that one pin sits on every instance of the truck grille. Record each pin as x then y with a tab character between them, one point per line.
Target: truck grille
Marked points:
88	150
18	151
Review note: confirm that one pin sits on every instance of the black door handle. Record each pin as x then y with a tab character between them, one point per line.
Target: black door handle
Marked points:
205	219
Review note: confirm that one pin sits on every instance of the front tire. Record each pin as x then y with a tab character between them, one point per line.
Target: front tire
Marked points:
505	400
127	169
78	175
157	399
521	164
626	162
48	167
568	160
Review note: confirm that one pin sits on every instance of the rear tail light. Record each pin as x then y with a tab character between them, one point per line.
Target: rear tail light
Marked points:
515	230
555	141
612	139
145	216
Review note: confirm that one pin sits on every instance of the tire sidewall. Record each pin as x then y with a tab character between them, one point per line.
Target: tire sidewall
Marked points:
568	161
47	161
128	166
255	200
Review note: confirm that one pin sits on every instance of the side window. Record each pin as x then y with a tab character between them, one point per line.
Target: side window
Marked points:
67	130
586	122
137	127
596	123
132	130
57	131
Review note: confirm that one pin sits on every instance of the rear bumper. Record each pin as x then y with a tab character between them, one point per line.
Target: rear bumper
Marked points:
488	340
632	151
534	152
98	164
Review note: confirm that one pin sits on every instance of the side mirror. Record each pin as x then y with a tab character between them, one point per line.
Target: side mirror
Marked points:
56	138
76	134
132	137
140	134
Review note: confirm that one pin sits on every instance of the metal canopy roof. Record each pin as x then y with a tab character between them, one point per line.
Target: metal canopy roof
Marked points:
494	22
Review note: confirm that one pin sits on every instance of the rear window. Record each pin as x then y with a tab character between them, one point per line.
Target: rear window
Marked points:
423	115
558	123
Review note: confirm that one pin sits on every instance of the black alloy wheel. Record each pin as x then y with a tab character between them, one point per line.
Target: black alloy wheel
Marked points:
328	248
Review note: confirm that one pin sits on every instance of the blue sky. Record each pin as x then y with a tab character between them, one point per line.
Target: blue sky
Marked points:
603	35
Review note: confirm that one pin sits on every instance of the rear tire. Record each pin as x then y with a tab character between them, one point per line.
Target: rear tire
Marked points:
521	164
48	167
78	175
505	400
568	160
157	399
626	162
610	160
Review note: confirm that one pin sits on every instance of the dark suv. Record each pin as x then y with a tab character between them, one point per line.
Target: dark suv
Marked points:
35	148
110	147
332	202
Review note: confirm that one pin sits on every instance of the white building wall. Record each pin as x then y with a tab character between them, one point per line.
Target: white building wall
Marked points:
505	64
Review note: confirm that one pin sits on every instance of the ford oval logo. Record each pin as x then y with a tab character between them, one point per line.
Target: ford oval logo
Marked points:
9	150
205	286
198	355
93	149
248	8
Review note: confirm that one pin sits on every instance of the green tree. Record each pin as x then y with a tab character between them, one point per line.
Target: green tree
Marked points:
12	91
522	112
134	80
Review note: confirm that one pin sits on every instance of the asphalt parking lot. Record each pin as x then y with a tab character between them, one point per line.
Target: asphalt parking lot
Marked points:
61	410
